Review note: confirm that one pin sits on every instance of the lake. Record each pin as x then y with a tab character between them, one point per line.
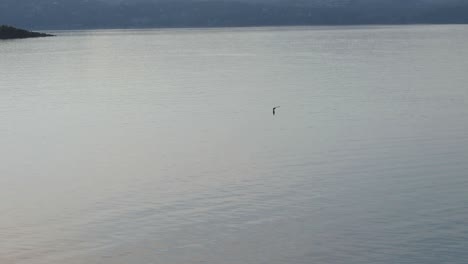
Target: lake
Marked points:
160	146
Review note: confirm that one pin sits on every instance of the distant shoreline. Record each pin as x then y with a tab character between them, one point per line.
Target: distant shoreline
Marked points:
9	32
249	26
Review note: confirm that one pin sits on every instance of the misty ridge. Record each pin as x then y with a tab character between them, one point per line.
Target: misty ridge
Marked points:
88	14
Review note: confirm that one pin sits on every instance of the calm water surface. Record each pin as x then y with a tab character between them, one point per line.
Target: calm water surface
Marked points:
159	146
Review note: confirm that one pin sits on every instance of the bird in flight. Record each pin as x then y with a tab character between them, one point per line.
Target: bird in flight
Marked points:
274	108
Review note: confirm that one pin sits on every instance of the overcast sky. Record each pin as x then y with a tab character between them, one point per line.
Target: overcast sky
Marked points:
68	14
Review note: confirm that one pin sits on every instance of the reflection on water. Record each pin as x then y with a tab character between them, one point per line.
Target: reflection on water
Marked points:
159	146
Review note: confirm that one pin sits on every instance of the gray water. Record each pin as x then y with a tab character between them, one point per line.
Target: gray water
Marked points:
159	146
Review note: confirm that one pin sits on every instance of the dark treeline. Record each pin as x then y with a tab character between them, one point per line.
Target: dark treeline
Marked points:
72	14
9	32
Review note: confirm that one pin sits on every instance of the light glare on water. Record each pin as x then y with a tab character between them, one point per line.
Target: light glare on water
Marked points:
159	146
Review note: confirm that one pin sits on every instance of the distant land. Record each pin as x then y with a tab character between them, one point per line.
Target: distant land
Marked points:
94	14
8	32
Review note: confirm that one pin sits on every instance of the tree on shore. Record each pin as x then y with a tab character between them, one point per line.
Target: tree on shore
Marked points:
9	32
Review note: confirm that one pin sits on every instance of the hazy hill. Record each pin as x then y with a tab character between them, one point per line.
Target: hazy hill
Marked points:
67	14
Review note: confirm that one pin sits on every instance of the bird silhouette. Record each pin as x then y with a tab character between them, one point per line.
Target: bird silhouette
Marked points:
274	109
